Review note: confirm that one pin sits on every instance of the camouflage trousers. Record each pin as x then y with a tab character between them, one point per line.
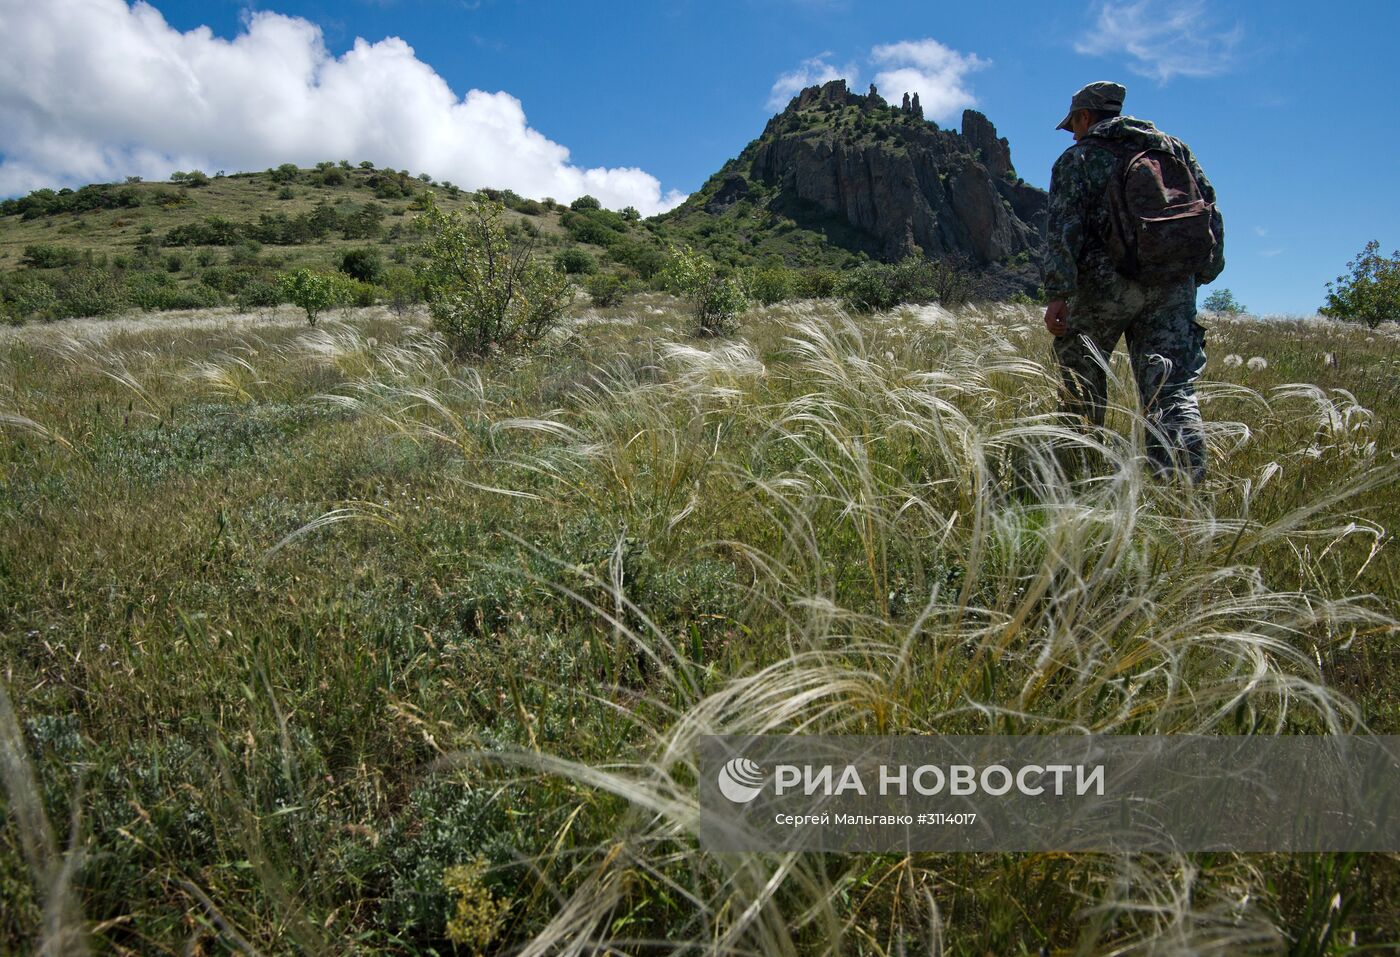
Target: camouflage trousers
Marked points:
1166	347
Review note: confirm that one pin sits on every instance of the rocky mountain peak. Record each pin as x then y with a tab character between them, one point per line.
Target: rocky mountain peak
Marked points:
895	183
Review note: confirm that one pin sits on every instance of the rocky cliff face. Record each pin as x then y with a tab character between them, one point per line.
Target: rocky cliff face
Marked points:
907	186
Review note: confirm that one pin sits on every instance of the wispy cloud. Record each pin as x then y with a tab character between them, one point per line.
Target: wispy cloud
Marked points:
1162	38
1261	231
1271	253
93	90
817	69
934	71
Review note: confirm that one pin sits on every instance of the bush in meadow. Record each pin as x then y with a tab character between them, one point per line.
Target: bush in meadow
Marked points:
485	291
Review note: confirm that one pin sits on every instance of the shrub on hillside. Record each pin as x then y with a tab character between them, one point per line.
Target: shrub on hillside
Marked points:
156	291
402	287
213	231
719	304
1371	294
642	256
575	261
817	283
879	286
772	284
284	174
87	291
597	226
605	289
717	300
364	264
50	256
259	294
311	291
484	292
585	202
26	297
868	288
367	222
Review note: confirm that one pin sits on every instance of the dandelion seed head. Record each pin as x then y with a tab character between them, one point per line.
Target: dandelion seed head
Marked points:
1257	363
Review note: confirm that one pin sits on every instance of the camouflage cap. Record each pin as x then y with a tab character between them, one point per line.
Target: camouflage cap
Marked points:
1103	95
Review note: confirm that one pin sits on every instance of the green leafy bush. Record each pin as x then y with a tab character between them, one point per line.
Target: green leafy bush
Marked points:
286	173
643	257
50	256
817	283
585	202
597	226
868	288
605	289
156	291
717	300
486	293
402	287
771	285
575	261
1371	294
364	264
27	297
312	291
719	304
87	291
355	293
878	286
259	294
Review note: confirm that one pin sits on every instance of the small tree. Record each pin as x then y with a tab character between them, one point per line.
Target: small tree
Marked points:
717	300
1371	294
485	291
1223	300
315	292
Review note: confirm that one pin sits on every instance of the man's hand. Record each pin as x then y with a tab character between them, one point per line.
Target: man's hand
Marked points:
1057	318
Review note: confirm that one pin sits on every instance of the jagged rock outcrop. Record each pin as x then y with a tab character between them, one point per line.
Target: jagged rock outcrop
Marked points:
895	184
734	189
981	135
912	185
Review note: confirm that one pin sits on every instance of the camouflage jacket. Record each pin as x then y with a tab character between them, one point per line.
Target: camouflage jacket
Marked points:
1077	260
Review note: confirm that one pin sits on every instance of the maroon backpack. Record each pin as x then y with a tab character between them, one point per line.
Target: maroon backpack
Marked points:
1159	228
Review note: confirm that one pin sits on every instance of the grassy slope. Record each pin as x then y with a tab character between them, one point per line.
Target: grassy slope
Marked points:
242	198
255	580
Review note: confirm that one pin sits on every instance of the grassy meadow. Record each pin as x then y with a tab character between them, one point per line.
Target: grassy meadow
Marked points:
317	642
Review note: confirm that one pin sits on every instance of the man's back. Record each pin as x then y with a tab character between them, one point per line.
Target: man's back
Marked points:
1078	262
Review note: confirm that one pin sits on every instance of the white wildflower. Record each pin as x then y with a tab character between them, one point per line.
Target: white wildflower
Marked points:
1256	363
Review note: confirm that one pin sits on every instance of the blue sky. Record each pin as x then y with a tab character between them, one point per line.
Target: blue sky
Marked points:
1285	104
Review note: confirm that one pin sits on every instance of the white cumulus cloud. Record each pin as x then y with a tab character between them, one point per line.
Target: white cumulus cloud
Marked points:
926	67
1162	38
94	90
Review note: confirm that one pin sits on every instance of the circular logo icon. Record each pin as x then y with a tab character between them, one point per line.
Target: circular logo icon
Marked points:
741	780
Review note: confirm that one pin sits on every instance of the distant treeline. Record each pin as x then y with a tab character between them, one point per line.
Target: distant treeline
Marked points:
48	202
279	229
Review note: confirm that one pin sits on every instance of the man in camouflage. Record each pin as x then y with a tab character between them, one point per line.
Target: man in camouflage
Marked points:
1092	305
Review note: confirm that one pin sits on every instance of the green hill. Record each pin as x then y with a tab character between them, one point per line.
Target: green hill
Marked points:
202	240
